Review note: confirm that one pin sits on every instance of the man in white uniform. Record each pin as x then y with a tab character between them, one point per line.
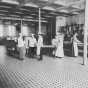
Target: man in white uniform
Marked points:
32	45
39	46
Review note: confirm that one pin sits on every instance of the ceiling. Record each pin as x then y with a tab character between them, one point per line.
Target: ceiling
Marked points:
28	10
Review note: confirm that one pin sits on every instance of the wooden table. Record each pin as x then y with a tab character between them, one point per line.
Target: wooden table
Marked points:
47	49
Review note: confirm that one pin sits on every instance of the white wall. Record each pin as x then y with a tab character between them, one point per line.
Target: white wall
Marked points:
9	30
1	30
60	21
27	30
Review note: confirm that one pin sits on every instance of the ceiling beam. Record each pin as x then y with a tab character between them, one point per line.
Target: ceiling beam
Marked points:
11	18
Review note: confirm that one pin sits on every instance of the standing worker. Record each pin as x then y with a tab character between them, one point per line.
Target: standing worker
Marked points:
32	44
54	43
21	46
26	45
39	46
75	46
59	51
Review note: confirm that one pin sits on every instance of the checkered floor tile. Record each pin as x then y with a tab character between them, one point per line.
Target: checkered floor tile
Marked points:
48	73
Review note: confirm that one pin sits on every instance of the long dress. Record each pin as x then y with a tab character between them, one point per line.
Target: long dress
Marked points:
59	50
75	46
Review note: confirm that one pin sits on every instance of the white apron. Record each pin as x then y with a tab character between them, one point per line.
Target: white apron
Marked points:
75	48
38	50
59	50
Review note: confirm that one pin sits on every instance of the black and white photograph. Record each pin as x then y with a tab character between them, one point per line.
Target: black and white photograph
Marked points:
43	43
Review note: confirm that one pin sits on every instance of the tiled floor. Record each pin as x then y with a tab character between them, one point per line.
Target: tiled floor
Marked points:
48	73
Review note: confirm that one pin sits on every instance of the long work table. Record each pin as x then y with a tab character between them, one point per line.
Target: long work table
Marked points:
48	46
79	44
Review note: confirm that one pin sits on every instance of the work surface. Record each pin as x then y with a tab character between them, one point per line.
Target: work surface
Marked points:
48	73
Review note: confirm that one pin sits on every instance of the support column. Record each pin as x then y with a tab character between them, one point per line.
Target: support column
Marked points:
39	32
21	26
85	33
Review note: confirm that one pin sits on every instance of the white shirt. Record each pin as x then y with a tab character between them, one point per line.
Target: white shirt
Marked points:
40	42
26	42
20	42
32	42
54	42
75	38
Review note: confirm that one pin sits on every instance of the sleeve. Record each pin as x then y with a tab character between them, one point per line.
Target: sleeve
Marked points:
54	42
76	39
24	42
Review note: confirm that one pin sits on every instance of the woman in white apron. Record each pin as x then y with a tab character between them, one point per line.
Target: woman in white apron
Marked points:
75	46
59	51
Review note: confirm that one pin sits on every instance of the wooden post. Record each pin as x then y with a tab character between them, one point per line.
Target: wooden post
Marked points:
85	33
39	32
